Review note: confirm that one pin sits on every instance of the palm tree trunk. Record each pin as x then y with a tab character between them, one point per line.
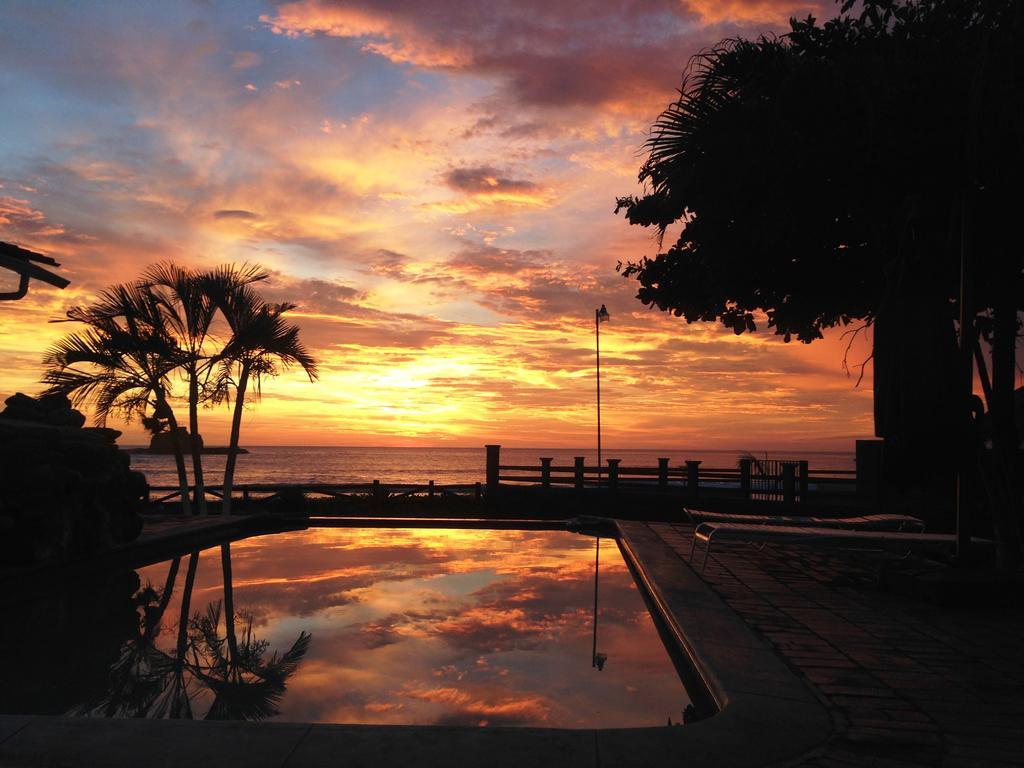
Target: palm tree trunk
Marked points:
193	428
179	457
186	603
165	598
229	601
236	426
180	707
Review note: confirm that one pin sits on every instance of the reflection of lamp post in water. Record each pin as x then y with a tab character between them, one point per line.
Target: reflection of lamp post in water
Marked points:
600	316
597	659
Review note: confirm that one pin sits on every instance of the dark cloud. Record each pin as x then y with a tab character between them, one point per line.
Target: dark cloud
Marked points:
485	180
315	295
581	52
234	213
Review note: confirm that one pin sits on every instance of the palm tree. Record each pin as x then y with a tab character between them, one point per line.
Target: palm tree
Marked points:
121	362
260	341
189	313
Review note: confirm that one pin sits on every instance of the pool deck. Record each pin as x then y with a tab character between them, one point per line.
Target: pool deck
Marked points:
810	663
906	683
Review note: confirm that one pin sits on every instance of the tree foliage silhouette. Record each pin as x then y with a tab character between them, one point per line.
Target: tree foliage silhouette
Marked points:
121	364
836	175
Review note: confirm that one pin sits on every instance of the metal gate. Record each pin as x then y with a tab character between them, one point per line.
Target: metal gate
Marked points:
766	478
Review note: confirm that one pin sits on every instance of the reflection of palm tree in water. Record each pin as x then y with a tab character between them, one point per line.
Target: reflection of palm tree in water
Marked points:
137	678
149	682
174	701
245	686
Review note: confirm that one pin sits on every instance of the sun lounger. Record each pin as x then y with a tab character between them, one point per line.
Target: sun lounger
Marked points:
904	523
891	541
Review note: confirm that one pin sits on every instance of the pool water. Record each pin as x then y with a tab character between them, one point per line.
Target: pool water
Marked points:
345	625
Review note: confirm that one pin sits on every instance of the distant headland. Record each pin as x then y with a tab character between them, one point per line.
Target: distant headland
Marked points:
163	443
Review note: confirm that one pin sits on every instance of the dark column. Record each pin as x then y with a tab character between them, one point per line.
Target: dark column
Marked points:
693	477
545	471
789	482
613	474
493	461
804	480
745	465
869	472
578	476
663	473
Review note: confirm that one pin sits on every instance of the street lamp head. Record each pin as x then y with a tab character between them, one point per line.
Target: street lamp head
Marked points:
602	314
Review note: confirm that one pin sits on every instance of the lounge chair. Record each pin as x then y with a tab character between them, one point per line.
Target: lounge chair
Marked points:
904	523
707	533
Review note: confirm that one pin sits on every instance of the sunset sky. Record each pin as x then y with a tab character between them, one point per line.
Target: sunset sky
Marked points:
433	183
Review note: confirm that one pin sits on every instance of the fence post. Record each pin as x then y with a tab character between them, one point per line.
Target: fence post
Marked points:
578	471
804	480
545	471
693	478
663	473
430	489
613	474
493	461
789	482
477	494
245	495
376	489
745	465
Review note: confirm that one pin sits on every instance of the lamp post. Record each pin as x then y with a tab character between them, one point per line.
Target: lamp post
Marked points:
600	316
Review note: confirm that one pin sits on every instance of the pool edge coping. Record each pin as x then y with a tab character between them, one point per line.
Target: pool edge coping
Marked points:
758	695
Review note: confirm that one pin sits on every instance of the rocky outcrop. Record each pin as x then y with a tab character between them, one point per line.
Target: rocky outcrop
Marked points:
164	442
67	490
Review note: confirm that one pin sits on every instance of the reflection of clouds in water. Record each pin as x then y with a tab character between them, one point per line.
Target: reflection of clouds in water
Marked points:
462	707
454	627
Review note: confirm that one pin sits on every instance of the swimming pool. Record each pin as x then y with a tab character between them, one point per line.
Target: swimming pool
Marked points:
356	625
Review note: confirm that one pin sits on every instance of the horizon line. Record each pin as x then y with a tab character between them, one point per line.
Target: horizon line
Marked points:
510	447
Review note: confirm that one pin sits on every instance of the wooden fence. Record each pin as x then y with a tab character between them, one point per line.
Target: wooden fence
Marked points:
768	480
753	479
263	492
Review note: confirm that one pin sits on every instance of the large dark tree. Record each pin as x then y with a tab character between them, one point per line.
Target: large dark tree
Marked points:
841	174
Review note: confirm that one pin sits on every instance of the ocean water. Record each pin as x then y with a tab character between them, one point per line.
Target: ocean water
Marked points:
445	466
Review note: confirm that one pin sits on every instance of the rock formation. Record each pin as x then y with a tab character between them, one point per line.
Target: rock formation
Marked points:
67	490
163	442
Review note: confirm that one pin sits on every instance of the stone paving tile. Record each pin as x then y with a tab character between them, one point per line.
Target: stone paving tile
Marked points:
907	683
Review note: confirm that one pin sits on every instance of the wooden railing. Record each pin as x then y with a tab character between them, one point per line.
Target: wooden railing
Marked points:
784	481
263	492
789	481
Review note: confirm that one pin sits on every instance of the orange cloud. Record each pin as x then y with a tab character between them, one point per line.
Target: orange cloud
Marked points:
758	11
465	707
